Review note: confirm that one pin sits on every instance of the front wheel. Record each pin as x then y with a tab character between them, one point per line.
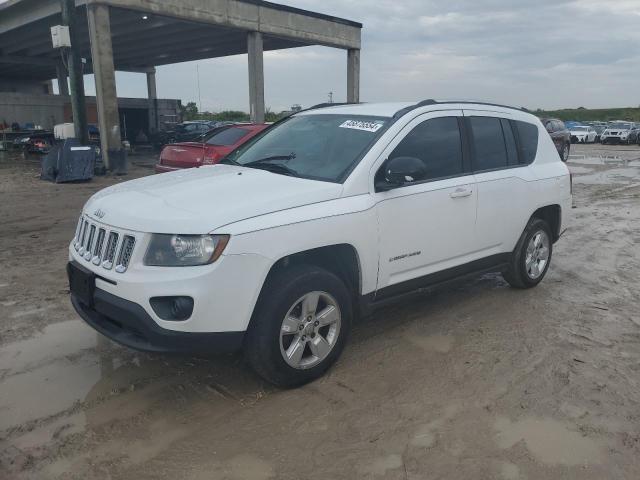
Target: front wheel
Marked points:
300	326
564	156
531	257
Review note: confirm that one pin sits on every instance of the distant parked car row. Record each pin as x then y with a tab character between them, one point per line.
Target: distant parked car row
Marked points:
564	134
189	131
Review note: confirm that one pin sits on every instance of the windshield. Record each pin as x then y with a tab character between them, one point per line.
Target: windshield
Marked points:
322	147
226	136
620	125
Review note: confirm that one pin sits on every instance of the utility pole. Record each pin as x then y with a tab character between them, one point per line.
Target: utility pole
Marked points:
76	80
330	97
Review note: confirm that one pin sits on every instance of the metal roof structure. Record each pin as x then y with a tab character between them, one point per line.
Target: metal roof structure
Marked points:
143	37
138	35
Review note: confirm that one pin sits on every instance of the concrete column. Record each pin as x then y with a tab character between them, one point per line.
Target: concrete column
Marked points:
113	154
152	95
256	77
353	75
63	86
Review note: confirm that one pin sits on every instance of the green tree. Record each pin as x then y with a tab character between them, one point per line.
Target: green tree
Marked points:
189	111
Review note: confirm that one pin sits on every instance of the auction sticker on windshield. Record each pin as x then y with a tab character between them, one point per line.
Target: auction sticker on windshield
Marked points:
360	125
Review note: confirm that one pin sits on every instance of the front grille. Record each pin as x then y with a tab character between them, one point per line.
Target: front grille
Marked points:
126	251
102	246
110	250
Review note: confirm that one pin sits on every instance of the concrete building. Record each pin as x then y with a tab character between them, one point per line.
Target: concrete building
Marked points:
49	110
138	35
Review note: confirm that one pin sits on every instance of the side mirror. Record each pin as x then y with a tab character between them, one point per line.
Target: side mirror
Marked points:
399	171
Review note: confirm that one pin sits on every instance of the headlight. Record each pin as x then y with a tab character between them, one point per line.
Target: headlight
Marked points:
184	250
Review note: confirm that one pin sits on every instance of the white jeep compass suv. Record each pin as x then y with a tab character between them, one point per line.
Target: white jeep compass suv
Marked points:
324	216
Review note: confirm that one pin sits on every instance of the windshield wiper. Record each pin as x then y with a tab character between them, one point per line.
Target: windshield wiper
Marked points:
274	168
265	164
273	158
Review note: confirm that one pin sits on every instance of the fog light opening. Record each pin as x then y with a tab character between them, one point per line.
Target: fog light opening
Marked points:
172	308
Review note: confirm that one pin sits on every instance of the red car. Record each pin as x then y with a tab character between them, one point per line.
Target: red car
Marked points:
212	148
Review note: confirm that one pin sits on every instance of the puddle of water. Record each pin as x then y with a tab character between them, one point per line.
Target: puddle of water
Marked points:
46	390
249	467
579	170
510	471
608	177
54	342
382	465
550	441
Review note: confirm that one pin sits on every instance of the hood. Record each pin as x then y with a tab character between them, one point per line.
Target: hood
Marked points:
201	200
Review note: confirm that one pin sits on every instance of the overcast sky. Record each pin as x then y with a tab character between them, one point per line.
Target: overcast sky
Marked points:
533	53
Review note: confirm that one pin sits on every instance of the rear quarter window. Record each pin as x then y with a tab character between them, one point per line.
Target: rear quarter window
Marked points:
228	136
528	135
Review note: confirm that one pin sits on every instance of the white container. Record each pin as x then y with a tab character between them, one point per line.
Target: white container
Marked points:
62	131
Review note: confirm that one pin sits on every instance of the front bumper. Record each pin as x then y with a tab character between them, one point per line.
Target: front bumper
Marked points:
129	324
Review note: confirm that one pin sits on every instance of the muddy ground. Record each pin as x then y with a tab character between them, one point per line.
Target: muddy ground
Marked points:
474	381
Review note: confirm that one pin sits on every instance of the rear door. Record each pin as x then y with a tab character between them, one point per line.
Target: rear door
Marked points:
428	225
502	176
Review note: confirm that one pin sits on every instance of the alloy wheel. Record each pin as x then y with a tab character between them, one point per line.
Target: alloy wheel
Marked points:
537	256
310	330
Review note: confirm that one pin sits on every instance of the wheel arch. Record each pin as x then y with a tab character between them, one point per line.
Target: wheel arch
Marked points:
552	214
340	259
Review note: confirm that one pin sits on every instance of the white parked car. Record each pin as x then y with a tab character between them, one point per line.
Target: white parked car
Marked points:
583	134
322	217
617	132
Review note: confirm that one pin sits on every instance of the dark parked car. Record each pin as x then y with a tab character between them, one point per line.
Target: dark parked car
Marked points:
599	129
183	132
560	136
634	135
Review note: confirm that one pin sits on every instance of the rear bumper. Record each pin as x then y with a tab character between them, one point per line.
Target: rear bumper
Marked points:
130	325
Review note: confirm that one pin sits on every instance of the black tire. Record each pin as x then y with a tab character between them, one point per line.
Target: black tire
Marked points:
262	342
564	156
516	275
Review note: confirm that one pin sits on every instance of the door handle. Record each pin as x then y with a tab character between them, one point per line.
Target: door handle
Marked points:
461	192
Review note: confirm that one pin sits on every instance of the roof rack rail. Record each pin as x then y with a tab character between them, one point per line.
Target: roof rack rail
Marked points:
326	105
431	101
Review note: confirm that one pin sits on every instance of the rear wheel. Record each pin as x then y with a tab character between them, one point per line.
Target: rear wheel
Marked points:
565	152
300	325
531	257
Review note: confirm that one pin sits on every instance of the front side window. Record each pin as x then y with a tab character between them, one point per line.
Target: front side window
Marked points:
489	143
437	144
316	146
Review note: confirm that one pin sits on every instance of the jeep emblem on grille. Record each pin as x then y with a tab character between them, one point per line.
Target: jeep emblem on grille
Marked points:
99	213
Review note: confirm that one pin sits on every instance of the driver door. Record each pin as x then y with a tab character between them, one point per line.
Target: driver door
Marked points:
427	225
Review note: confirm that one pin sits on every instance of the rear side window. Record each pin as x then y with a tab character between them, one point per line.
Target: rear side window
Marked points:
437	143
528	135
489	144
510	142
228	136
